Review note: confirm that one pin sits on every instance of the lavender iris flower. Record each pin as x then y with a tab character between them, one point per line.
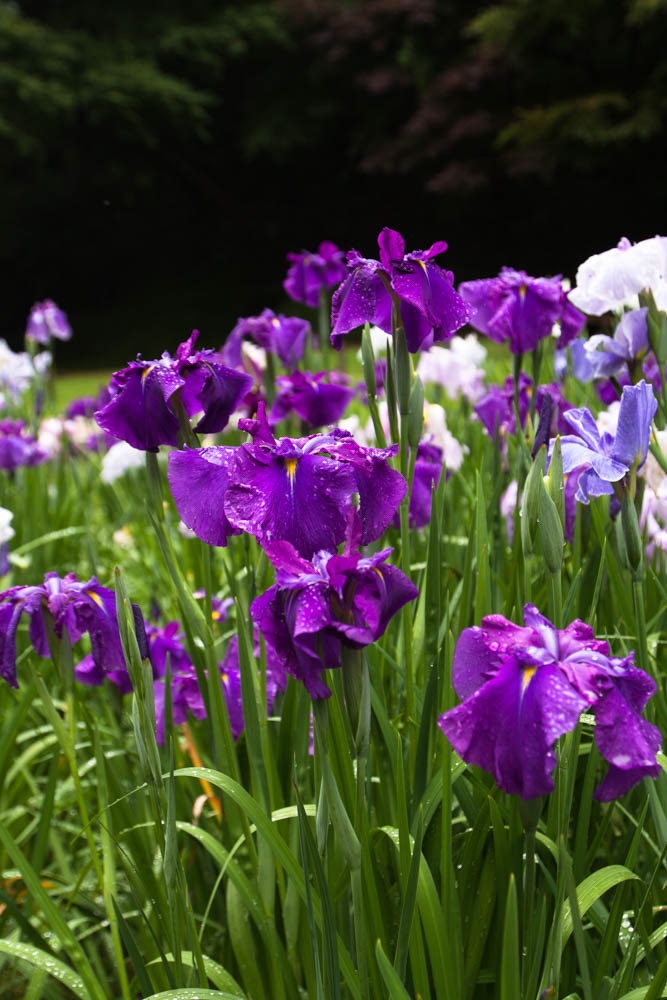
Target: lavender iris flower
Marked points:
607	459
601	356
295	488
141	410
525	687
284	336
18	447
310	273
430	308
46	320
521	310
75	608
317	605
319	399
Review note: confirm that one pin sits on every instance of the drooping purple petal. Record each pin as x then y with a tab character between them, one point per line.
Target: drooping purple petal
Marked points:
509	725
362	298
623	737
214	389
316	401
139	410
199	479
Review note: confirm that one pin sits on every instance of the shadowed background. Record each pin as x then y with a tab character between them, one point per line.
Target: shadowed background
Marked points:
157	165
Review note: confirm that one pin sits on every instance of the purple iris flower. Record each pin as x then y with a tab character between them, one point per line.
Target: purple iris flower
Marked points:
431	309
317	605
86	406
219	606
295	488
428	466
496	408
310	273
186	694
607	459
75	608
525	687
141	409
46	320
17	447
319	400
601	356
282	335
522	310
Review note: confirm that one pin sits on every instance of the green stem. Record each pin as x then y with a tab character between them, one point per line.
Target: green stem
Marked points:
556	599
528	908
640	618
324	326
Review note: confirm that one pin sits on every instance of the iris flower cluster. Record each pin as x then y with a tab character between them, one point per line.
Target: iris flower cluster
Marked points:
167	643
430	308
318	400
74	608
299	489
18	447
146	396
45	321
520	310
319	604
607	460
284	336
525	686
496	408
311	274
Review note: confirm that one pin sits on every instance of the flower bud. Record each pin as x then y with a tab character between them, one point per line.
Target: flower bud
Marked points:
554	481
550	532
656	321
634	548
530	505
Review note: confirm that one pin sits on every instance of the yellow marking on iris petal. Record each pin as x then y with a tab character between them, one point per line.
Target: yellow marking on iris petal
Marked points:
215	615
423	265
522	292
95	597
527	677
290	465
379	573
146	374
275	322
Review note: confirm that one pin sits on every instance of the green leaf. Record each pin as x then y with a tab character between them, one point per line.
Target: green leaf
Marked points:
51	913
45	961
310	855
215	972
409	898
510	969
590	890
577	927
280	850
190	994
391	978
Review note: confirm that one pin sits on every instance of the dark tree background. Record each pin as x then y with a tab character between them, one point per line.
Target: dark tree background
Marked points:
158	160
